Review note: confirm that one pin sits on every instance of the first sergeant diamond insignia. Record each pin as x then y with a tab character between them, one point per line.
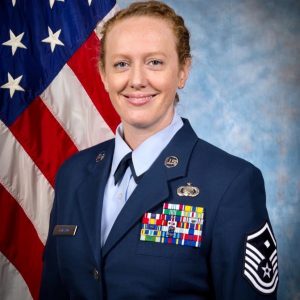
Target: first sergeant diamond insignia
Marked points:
260	265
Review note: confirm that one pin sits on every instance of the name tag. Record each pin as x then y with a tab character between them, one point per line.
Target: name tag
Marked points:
69	230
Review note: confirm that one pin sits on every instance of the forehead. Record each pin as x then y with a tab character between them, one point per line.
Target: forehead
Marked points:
141	32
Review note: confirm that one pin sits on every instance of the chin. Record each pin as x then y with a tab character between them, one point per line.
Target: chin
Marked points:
139	124
138	120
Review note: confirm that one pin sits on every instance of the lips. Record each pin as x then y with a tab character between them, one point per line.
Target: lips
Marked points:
139	99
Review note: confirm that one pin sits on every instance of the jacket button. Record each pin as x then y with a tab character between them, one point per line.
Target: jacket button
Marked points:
96	274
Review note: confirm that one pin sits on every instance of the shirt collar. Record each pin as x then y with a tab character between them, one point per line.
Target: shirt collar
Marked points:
146	153
121	149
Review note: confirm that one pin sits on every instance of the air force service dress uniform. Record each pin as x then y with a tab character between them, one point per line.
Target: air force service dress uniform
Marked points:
195	227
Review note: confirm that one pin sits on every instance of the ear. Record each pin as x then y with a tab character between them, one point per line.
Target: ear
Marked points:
103	77
184	73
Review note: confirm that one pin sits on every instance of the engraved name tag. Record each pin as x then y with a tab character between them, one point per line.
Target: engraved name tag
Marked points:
65	230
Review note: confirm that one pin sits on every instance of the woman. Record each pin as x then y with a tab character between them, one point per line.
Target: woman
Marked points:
156	213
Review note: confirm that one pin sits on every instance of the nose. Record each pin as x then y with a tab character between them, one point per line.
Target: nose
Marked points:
137	77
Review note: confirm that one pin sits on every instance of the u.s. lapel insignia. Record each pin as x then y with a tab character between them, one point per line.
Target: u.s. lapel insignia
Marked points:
188	191
100	156
171	161
69	230
260	262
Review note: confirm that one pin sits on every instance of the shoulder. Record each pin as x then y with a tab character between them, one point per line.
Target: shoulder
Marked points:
218	163
208	160
219	156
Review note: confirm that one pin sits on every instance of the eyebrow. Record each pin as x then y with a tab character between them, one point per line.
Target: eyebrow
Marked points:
154	53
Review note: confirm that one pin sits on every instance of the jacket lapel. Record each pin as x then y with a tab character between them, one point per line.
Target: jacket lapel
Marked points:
154	188
90	196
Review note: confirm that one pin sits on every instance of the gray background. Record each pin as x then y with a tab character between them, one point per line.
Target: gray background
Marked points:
243	95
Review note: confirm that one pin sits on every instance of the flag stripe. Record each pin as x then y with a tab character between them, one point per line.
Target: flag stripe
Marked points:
15	286
37	133
17	235
109	15
74	110
25	182
89	76
43	138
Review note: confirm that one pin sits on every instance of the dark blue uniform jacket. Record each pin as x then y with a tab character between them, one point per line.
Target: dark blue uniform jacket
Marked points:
233	262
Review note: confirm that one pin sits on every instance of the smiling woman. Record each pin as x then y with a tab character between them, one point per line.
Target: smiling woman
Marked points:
141	73
156	212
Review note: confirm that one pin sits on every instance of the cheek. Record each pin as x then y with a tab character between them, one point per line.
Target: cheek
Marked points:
169	87
164	83
116	83
167	81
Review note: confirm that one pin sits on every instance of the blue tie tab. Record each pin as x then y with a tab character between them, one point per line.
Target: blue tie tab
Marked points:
122	167
178	224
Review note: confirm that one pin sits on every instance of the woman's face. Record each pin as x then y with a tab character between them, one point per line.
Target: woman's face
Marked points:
142	72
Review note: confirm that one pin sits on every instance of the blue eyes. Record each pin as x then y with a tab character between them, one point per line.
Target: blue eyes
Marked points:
120	65
155	62
124	64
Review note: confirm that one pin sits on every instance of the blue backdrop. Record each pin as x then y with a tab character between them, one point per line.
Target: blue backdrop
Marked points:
243	95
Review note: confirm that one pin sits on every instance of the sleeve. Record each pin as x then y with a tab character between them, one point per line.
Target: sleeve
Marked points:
52	286
243	254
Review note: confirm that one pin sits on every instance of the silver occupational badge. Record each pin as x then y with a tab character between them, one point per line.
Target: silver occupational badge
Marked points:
171	161
188	191
100	156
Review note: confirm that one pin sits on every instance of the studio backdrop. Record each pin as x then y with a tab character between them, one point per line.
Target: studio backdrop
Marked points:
243	95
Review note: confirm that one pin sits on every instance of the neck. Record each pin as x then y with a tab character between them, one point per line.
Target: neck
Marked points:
135	136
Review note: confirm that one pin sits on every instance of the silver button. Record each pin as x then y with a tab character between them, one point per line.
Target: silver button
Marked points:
96	274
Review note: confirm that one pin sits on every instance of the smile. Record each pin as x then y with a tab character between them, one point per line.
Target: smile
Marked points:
139	100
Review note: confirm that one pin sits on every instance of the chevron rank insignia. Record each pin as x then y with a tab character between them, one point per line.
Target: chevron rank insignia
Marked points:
178	224
260	264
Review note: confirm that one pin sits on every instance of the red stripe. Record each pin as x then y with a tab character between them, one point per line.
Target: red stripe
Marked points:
89	76
43	138
19	241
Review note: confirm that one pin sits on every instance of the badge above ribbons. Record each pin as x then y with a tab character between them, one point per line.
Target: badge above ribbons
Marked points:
261	267
178	224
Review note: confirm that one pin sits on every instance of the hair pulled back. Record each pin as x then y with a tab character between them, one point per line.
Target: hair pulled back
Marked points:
152	9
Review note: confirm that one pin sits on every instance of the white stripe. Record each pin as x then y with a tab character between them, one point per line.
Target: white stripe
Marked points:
68	101
273	254
13	286
261	289
274	268
25	182
262	283
274	260
251	254
112	12
250	261
254	235
254	250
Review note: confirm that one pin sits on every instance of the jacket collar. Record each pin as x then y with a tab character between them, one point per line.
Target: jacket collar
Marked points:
90	194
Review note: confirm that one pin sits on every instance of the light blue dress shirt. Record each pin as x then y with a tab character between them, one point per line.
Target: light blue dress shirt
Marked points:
143	157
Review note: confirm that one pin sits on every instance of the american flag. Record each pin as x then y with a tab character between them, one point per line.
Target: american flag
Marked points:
52	104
